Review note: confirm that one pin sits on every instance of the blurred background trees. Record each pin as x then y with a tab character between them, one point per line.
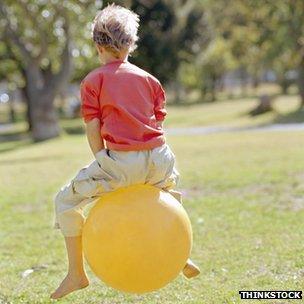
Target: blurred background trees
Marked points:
263	35
39	39
190	45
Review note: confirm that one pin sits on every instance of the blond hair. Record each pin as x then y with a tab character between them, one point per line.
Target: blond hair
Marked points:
115	28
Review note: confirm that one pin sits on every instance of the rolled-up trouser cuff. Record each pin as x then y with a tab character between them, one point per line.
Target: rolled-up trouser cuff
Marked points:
113	170
70	222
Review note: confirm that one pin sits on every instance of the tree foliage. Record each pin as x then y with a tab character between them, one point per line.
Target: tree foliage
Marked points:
185	42
39	39
170	33
263	34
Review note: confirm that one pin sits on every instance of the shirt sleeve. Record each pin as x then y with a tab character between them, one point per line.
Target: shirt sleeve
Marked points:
160	103
90	107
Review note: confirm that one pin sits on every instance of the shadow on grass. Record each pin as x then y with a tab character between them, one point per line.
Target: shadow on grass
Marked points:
182	104
75	130
14	145
13	136
35	159
12	140
292	117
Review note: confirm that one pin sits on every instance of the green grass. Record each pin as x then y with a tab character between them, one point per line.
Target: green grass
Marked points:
244	194
232	113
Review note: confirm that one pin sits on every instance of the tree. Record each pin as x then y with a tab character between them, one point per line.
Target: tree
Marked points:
214	62
170	34
39	37
9	72
288	16
263	33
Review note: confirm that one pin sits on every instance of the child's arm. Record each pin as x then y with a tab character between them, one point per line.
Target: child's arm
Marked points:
159	105
93	134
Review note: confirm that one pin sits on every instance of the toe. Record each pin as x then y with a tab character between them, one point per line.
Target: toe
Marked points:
67	286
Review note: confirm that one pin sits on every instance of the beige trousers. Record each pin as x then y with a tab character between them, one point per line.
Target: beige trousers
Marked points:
112	170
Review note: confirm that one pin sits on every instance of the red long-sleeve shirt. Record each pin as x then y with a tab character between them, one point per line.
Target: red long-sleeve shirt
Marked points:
128	101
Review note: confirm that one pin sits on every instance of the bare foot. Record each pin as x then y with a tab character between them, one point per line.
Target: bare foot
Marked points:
70	284
191	270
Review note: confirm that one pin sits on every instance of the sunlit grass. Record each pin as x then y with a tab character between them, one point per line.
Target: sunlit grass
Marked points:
244	194
230	113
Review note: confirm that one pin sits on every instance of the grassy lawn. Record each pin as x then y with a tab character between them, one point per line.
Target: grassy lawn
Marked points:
231	113
244	193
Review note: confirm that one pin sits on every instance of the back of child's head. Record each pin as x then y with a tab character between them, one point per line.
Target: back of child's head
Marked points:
115	29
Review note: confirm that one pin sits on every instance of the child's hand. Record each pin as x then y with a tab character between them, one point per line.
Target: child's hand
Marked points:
94	137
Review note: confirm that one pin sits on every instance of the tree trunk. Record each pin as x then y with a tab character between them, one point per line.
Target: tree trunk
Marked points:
284	84
204	91
12	113
28	109
45	121
41	89
255	79
264	106
177	92
301	82
42	84
244	91
213	79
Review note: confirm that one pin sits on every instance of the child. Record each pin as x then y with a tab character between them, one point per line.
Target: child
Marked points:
123	108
